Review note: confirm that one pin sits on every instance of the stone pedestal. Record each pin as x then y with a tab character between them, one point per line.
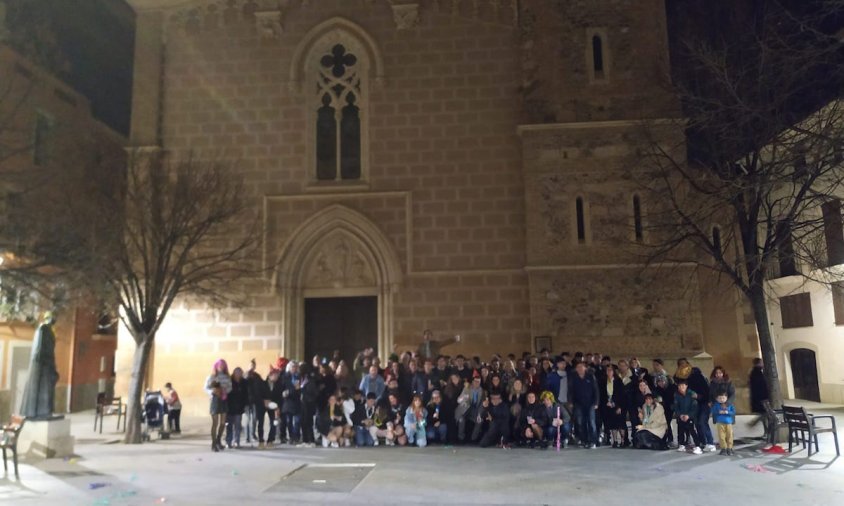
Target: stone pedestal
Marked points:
46	438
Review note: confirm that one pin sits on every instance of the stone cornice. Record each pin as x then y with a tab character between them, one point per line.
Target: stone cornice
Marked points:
582	125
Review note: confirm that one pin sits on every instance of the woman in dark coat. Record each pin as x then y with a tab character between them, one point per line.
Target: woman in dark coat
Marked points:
236	404
614	404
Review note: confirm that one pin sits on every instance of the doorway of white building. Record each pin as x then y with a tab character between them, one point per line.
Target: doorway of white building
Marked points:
804	374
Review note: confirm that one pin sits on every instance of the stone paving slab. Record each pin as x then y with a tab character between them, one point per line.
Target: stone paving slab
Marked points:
185	471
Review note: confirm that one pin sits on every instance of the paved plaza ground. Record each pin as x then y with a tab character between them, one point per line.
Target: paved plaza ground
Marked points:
184	471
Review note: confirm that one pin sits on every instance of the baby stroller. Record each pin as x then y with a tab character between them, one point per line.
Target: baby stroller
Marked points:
154	409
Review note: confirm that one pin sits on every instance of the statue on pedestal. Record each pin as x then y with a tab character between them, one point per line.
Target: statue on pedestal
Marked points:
40	390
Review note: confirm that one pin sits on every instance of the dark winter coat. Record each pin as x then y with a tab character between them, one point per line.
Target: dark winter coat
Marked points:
238	397
758	390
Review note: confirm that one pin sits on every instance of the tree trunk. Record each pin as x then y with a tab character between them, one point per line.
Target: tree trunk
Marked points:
136	386
766	342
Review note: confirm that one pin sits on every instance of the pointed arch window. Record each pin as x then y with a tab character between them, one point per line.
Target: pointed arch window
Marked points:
338	72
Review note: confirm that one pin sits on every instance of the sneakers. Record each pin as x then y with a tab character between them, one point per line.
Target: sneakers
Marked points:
375	442
324	442
709	448
593	446
723	451
697	450
347	443
335	445
681	448
262	446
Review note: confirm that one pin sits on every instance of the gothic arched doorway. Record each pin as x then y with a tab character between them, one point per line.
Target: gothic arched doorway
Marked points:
804	374
336	256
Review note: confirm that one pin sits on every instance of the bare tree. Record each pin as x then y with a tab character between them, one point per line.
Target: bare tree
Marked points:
765	134
185	233
144	235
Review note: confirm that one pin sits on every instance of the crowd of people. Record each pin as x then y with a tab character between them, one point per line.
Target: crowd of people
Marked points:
424	397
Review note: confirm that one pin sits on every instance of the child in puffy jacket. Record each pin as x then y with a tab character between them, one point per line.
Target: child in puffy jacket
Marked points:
724	416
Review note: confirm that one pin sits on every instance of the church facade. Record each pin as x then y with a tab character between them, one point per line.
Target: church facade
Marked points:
468	166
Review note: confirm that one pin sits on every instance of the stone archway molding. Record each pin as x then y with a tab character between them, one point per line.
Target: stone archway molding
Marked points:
306	245
297	63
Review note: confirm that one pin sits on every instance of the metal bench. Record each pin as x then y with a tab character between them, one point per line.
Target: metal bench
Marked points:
109	407
9	441
802	426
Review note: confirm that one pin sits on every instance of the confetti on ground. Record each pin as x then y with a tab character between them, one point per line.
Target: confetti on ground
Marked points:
102	502
73	460
94	486
133	477
757	468
161	500
126	493
319	481
235	472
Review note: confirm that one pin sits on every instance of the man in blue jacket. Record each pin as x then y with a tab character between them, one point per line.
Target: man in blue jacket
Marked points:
584	398
373	382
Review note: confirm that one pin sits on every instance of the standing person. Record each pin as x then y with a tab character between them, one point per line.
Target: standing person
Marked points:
415	422
468	407
724	415
430	348
686	409
174	408
720	383
449	405
585	399
461	369
249	409
634	401
614	407
700	386
292	407
760	402
273	403
259	396
218	385
310	391
237	401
